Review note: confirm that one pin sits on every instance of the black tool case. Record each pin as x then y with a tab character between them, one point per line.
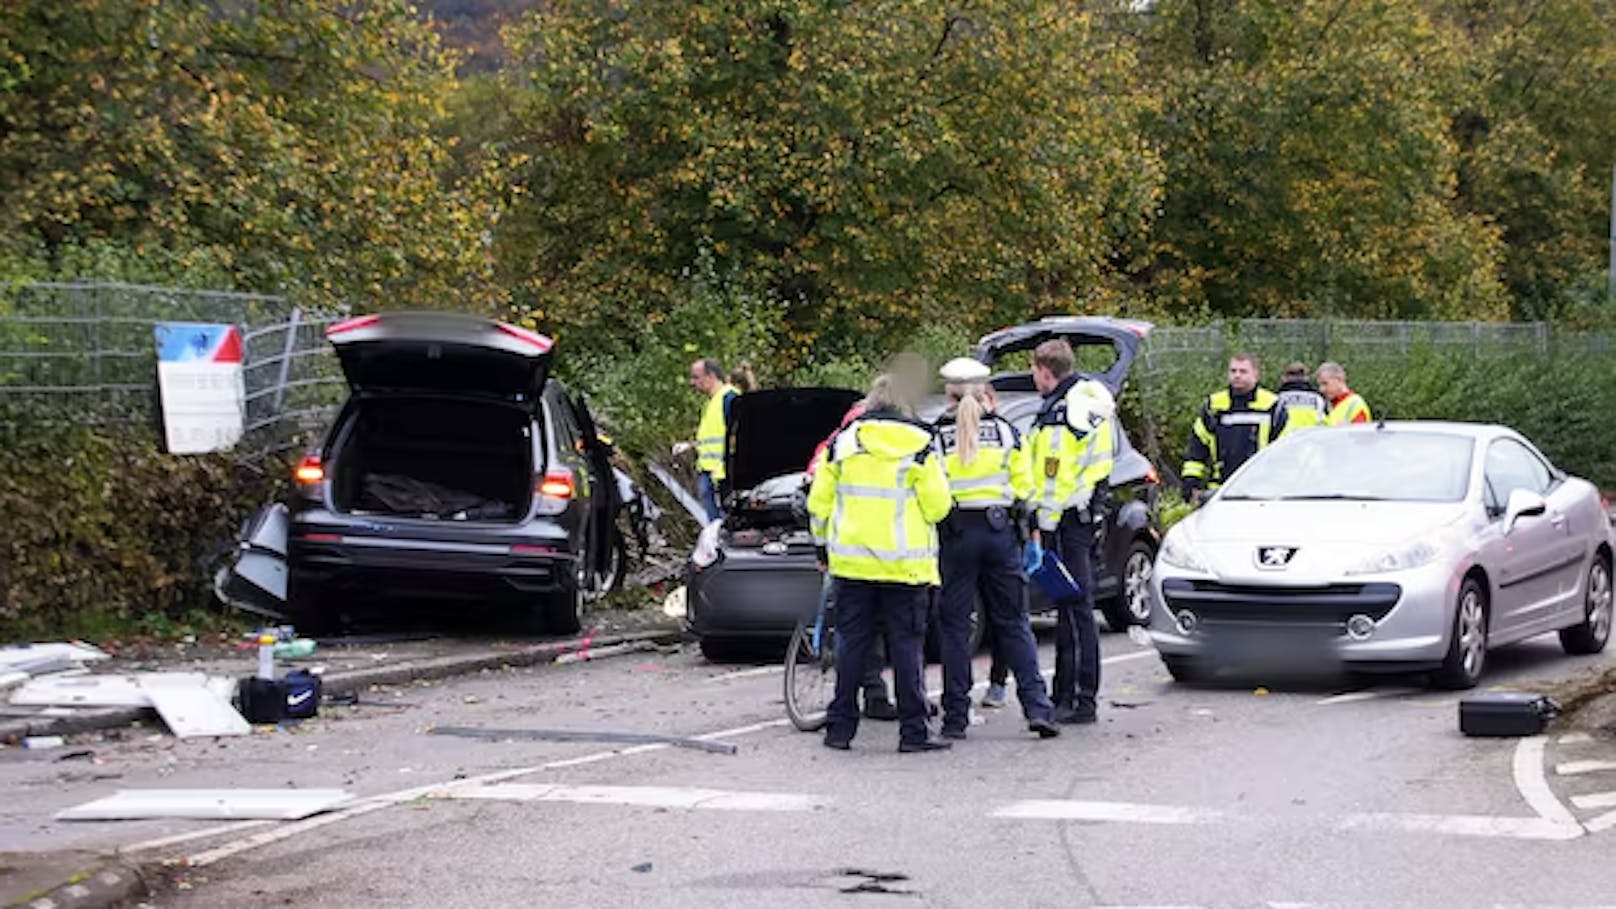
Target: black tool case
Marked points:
1506	713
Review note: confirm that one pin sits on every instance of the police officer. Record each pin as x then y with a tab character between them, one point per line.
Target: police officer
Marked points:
1232	425
988	473
1074	445
1304	406
707	377
875	501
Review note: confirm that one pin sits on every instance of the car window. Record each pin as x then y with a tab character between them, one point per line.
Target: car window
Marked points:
563	423
1512	466
1362	466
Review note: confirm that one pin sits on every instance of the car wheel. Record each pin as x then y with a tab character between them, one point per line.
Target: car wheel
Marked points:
721	650
1184	670
1131	605
564	612
1593	632
312	611
616	566
1467	644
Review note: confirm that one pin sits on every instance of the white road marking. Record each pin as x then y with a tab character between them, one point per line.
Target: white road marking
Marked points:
1349	697
1601	823
1124	657
644	796
1576	738
176	839
1572	768
1120	812
1526	828
746	673
1534	786
1595	800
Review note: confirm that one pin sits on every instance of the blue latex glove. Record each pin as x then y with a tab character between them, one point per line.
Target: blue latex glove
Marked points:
1032	556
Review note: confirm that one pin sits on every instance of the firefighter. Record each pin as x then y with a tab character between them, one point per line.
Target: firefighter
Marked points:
1304	406
875	502
1346	406
1233	424
1074	446
988	475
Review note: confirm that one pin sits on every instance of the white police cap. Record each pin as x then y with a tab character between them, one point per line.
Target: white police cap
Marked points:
965	369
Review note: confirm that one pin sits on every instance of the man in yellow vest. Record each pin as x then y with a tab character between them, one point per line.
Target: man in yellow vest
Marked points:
1232	425
1346	406
1304	406
707	377
873	508
1073	449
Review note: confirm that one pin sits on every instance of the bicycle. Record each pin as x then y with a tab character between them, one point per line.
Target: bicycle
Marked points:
810	670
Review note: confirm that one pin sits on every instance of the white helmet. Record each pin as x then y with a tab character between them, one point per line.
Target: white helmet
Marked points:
1088	404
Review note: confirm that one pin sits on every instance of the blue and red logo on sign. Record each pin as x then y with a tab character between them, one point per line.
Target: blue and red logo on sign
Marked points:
196	342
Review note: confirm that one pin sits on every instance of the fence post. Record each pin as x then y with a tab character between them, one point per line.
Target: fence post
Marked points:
1541	331
286	356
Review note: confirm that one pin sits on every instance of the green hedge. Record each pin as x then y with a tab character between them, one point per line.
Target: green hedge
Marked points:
101	532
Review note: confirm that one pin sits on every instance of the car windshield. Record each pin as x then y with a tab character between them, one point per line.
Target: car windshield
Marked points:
1374	466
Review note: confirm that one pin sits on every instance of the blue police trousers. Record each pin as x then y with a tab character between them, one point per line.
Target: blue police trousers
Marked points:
861	608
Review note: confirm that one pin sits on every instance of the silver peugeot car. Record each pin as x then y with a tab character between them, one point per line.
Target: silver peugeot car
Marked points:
1403	547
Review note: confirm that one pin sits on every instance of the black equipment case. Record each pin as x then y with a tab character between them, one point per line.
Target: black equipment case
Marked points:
1506	713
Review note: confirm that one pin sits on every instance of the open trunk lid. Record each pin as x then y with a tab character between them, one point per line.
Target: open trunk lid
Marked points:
774	432
442	352
1123	336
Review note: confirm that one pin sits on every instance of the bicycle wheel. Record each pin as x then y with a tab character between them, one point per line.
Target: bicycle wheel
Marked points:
810	677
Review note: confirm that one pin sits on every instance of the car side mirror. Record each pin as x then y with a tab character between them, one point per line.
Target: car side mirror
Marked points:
1522	503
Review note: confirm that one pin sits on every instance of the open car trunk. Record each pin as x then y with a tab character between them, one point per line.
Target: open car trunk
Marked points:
450	459
772	436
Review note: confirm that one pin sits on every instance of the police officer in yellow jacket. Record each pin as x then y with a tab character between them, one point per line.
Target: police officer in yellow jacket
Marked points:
1304	405
875	502
988	474
1074	446
1232	425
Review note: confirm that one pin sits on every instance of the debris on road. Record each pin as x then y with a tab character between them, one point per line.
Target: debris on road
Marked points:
37	742
674	605
208	804
579	735
585	653
1510	714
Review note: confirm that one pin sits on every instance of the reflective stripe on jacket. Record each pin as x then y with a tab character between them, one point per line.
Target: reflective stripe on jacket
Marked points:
1001	472
1349	408
1228	430
876	500
1304	407
711	431
1068	461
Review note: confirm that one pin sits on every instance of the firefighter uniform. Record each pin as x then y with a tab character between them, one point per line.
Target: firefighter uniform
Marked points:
1229	429
981	555
711	435
874	504
1304	406
1074	446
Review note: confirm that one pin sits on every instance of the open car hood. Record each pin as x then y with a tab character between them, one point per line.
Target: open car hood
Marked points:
775	432
1123	336
441	352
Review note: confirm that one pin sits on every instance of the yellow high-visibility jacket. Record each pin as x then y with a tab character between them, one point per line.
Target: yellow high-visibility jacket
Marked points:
1072	454
711	432
876	500
1001	472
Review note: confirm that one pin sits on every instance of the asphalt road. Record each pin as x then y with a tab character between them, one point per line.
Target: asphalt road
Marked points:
1299	794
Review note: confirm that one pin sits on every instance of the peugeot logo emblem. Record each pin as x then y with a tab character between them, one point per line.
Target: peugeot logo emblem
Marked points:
1275	557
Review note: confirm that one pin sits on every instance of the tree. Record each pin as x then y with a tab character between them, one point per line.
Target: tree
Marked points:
871	165
1311	170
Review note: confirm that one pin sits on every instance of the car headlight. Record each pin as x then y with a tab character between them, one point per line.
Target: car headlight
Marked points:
1401	557
1179	552
706	551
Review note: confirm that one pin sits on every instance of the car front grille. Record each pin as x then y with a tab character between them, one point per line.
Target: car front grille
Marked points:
1330	604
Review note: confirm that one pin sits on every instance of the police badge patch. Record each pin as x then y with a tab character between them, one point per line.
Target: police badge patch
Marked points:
1051	467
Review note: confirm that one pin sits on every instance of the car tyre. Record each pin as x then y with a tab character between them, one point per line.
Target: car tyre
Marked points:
721	650
1131	605
1185	670
312	611
1593	632
1466	658
563	613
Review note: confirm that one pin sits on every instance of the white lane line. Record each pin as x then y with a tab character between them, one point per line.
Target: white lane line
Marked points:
746	673
1595	800
1576	738
1119	812
1572	768
1533	785
642	796
1601	823
1124	657
178	838
1349	698
1527	828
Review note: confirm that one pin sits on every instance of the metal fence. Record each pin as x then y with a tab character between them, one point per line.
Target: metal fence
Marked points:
85	353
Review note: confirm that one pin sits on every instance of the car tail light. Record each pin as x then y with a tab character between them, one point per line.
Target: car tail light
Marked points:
530	549
322	538
531	337
310	471
354	324
555	490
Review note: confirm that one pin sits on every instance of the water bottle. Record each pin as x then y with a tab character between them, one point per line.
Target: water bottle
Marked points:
296	648
266	656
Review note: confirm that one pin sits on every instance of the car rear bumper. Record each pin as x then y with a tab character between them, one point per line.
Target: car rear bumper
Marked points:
400	566
1255	623
752	595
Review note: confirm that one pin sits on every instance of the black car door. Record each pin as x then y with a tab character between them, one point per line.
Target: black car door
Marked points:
604	500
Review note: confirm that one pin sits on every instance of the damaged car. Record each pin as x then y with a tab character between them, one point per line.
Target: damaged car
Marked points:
753	574
458	472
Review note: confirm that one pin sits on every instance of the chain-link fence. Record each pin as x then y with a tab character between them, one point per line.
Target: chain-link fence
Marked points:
85	353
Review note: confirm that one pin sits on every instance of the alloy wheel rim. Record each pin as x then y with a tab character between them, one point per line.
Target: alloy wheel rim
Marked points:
1472	634
1136	578
1599	601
